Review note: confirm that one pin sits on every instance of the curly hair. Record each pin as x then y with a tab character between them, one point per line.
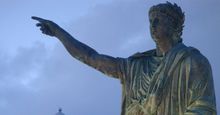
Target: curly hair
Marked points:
175	13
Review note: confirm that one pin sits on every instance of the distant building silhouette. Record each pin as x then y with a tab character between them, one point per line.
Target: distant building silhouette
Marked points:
60	112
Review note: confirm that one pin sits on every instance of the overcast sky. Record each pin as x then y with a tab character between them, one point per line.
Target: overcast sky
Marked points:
37	75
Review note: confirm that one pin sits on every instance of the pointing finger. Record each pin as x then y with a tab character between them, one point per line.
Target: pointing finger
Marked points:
38	19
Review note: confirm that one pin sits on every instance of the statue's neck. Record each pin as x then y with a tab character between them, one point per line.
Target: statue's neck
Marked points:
163	47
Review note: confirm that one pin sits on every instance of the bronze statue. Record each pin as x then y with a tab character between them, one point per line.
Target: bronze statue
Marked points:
172	79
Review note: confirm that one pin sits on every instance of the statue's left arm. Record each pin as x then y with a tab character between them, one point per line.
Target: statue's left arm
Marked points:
200	96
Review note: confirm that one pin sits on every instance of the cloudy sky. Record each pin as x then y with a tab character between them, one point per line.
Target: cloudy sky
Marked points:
37	75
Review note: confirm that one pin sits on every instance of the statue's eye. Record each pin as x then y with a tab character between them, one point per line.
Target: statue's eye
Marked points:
155	21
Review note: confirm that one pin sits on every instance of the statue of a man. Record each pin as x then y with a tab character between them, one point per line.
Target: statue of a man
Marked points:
172	79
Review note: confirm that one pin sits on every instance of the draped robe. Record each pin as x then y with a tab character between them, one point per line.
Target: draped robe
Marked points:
180	83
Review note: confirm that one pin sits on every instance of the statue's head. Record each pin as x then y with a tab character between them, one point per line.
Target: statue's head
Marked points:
166	21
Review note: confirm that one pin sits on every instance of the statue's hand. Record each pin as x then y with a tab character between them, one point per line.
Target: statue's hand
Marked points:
46	26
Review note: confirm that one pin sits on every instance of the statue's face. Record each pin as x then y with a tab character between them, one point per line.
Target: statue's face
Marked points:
160	27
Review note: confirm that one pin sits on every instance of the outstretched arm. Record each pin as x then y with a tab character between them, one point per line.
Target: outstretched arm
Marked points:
106	64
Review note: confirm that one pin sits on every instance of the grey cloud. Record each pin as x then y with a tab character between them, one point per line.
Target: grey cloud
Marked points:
24	61
75	86
16	94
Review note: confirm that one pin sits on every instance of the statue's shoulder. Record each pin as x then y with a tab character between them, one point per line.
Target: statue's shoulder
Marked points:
143	54
191	49
194	52
196	56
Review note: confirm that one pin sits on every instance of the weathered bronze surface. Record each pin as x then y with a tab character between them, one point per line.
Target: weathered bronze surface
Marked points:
172	79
